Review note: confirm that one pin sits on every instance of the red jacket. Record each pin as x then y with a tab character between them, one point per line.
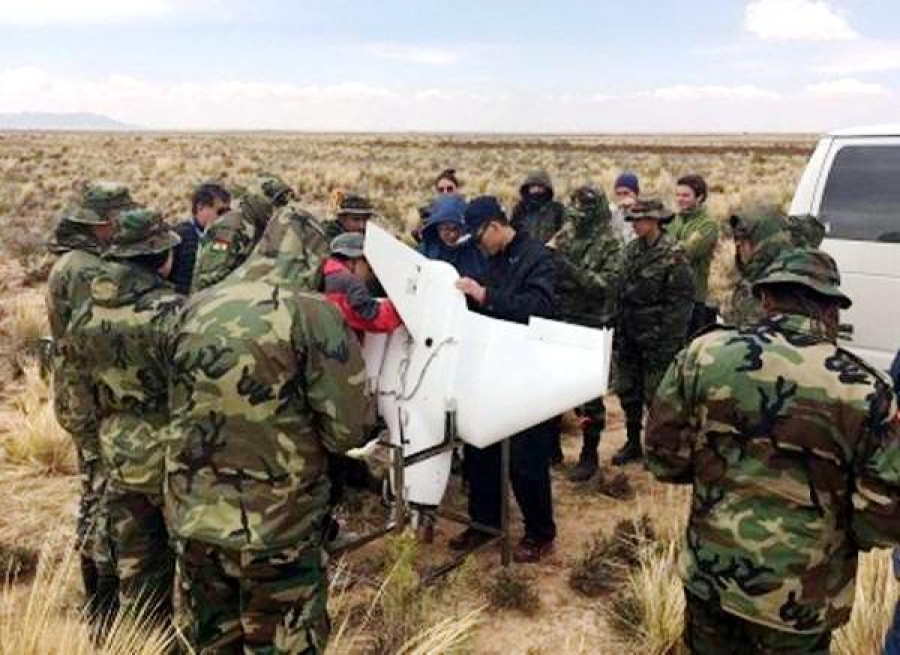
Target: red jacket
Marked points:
362	312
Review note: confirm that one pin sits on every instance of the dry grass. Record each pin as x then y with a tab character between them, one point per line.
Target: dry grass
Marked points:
46	622
34	438
649	608
514	589
873	608
401	615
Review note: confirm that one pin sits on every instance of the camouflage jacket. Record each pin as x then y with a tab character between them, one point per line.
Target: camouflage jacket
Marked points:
293	244
541	221
745	307
698	233
805	231
229	240
120	339
589	258
655	297
68	289
267	379
792	446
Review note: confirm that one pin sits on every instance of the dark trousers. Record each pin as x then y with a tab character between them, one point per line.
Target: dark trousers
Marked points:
529	473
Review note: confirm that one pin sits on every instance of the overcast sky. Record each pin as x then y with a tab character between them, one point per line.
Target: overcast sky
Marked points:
504	65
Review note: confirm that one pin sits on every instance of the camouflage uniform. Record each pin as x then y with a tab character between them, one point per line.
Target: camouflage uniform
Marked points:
120	340
589	258
698	234
656	295
68	288
765	227
229	240
267	380
805	231
792	445
541	217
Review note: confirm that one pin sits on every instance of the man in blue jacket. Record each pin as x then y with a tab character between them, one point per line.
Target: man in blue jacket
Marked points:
518	283
208	202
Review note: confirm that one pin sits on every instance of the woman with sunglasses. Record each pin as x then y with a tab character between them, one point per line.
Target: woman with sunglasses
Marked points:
444	236
445	183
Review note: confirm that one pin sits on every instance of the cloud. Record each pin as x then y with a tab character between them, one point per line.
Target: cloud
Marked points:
354	105
413	54
796	20
711	92
863	57
44	12
845	88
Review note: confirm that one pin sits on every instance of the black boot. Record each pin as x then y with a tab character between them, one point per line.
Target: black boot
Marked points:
105	606
631	451
587	461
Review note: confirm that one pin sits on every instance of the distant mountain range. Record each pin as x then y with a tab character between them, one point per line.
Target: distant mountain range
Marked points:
38	120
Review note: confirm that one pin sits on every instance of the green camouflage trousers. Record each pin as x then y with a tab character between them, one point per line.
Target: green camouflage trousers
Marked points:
265	603
709	630
140	545
638	374
92	529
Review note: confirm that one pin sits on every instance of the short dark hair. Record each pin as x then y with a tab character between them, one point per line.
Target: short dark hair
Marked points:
696	183
791	297
205	195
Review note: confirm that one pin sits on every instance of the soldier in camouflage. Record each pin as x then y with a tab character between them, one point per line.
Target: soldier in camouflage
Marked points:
589	258
655	300
353	211
698	234
79	240
537	212
229	240
267	381
120	340
760	236
805	231
792	446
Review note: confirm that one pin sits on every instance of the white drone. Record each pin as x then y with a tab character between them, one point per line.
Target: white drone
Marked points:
451	374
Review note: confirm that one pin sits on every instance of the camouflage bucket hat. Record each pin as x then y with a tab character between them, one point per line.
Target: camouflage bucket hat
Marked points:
757	223
275	189
141	232
348	244
356	204
587	197
649	208
102	197
82	216
813	269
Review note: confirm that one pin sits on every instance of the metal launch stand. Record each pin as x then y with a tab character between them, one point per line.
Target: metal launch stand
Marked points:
403	513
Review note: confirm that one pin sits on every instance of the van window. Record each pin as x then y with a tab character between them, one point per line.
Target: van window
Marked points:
862	194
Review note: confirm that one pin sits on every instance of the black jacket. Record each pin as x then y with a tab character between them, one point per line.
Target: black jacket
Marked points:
185	256
520	281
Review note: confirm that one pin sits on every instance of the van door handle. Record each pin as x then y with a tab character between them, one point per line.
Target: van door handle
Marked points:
845	331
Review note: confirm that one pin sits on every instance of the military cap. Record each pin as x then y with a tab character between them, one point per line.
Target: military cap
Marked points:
812	268
648	208
757	223
82	216
141	232
355	203
102	197
588	197
275	189
348	244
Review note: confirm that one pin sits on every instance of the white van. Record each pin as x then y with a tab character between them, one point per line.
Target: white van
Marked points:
852	185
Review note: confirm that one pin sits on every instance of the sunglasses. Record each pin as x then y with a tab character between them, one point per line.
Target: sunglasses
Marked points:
221	211
446	189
